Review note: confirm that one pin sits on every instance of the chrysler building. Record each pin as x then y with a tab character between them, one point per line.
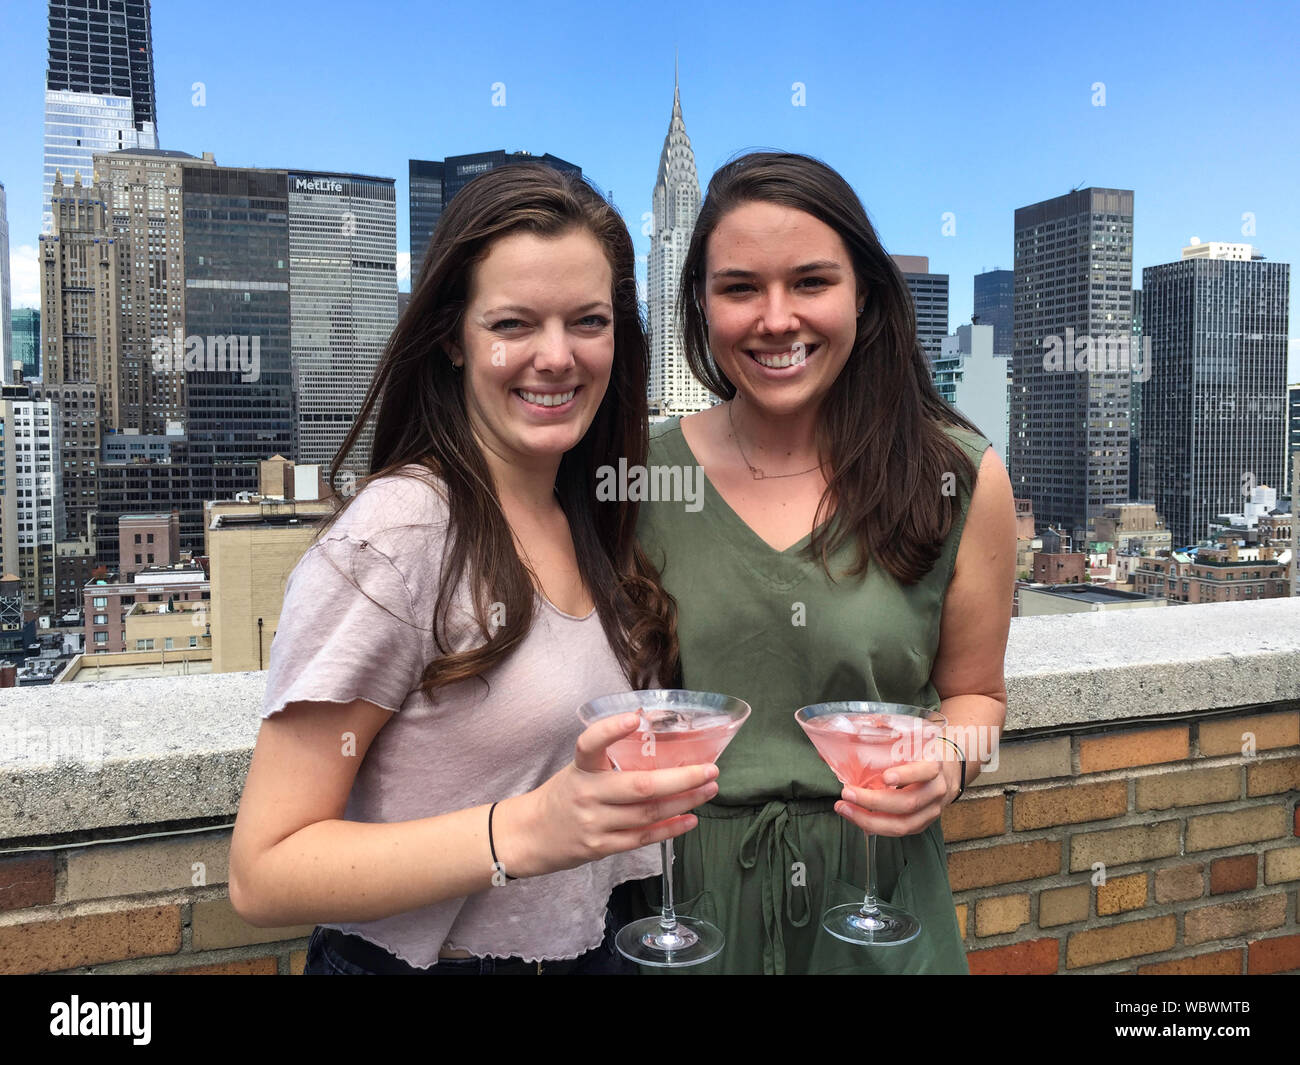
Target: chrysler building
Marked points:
673	390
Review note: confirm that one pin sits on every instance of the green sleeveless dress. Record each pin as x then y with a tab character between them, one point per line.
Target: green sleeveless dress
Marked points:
770	854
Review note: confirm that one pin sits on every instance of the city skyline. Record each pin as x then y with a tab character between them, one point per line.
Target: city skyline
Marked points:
1029	130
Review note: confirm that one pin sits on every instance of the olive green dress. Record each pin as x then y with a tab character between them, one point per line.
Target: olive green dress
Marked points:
770	854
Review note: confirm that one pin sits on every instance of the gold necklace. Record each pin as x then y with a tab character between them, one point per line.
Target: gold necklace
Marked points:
757	473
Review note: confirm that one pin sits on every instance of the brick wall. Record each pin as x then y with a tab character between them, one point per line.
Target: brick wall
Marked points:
1199	845
157	906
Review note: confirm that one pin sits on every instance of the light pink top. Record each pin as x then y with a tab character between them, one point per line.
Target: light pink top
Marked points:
476	745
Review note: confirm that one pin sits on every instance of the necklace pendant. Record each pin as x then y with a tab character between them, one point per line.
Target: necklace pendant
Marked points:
758	474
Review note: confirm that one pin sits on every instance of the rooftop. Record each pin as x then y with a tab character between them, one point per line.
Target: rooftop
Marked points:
1128	747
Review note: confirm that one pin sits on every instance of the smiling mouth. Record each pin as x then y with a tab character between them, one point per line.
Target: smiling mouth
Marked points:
776	360
546	399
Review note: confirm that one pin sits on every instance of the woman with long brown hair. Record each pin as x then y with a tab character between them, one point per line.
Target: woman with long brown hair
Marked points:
856	542
409	791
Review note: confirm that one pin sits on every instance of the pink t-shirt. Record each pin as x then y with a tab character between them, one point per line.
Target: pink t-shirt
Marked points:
476	745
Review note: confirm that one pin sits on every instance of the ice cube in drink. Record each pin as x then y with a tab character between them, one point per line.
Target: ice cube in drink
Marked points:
860	747
667	739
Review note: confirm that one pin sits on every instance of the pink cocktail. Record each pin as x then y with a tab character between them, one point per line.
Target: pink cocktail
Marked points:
859	741
860	747
668	739
677	728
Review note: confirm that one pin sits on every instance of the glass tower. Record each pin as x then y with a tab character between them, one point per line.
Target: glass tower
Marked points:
433	184
27	340
994	292
237	302
99	86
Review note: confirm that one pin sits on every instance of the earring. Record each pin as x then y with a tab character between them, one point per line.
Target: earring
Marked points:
861	309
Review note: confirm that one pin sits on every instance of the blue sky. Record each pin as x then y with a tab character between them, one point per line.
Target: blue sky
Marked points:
925	108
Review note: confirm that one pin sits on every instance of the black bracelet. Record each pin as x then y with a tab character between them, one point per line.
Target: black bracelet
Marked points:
496	865
962	755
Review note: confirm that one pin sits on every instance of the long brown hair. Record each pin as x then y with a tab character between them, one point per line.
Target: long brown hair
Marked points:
417	404
880	423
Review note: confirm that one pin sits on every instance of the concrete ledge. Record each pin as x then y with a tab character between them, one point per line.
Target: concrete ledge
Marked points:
77	757
1117	665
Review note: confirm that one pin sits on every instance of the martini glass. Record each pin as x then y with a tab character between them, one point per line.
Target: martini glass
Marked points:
859	741
677	728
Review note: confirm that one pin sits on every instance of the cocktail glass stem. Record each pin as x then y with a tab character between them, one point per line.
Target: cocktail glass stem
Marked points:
668	918
869	920
870	907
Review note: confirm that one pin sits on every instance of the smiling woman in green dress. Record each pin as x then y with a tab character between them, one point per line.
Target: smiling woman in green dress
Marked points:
856	541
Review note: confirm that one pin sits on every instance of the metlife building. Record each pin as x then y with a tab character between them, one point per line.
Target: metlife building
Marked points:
343	302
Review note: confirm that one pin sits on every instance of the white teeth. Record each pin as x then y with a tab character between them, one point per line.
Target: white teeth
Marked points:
548	400
776	362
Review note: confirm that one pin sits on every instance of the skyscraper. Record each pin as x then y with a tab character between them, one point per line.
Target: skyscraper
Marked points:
239	403
343	303
424	184
1214	411
1293	442
1135	405
994	299
1069	424
433	185
32	519
143	188
79	332
99	86
930	300
676	202
27	340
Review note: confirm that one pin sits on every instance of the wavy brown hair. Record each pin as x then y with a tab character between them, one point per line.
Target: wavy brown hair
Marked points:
416	404
880	425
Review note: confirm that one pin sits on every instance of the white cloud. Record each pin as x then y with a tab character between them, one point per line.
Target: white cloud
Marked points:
404	269
24	276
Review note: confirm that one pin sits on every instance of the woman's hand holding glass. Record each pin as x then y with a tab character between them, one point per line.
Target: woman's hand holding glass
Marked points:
588	811
917	794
